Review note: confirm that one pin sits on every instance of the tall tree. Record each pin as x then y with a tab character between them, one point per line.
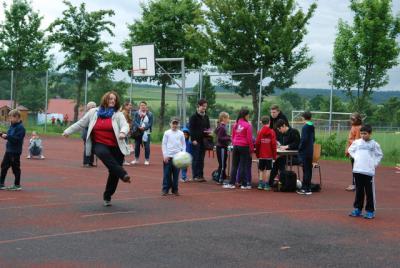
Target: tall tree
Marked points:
79	34
174	28
208	93
365	51
247	35
23	46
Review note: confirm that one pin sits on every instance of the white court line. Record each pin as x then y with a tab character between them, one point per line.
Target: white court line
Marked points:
10	198
97	201
84	193
143	225
109	213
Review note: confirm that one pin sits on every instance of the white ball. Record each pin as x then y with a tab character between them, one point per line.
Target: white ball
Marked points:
182	160
299	184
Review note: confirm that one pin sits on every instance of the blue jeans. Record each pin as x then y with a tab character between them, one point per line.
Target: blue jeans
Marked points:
184	173
198	153
146	145
170	177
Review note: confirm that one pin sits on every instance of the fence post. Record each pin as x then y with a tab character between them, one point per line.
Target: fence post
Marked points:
46	105
12	90
86	87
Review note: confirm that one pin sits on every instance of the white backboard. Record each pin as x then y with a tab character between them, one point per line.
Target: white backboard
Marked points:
143	60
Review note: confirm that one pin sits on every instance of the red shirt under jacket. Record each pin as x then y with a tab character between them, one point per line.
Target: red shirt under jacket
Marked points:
103	132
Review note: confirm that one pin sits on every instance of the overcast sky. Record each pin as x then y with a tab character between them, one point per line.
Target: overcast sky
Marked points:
322	31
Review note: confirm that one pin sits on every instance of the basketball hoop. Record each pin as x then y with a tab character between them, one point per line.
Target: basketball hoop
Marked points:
143	61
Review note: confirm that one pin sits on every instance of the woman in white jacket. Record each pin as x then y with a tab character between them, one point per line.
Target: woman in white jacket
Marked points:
107	130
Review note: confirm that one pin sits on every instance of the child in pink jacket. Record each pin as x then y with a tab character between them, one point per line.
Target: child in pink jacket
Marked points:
243	147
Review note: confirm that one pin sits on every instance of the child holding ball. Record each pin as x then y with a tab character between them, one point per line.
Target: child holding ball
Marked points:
173	142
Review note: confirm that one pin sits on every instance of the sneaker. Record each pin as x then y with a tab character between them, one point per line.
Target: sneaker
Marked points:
351	188
42	157
176	193
220	182
308	192
28	157
134	162
369	215
126	163
260	185
107	203
126	178
355	213
201	179
183	179
163	193
146	163
2	187
267	187
302	192
245	187
228	186
14	188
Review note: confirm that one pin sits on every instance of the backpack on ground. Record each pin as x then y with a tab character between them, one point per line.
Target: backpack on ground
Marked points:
287	181
315	187
215	175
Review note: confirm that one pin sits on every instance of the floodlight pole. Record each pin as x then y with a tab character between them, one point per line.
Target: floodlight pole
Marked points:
330	110
86	88
259	101
182	86
201	84
131	89
12	90
46	103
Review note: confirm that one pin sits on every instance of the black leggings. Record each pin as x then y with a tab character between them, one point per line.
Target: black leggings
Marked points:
11	160
222	155
113	159
240	157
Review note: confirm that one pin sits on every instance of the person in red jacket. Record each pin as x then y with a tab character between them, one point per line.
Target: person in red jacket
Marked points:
266	147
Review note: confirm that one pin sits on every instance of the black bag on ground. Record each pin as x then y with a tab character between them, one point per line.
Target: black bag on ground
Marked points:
315	187
287	181
215	175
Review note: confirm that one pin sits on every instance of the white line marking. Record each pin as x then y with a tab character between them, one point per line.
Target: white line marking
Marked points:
5	199
109	213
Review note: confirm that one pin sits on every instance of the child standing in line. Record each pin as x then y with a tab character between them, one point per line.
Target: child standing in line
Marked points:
35	146
367	154
354	134
266	152
186	133
223	141
306	152
243	148
173	142
15	139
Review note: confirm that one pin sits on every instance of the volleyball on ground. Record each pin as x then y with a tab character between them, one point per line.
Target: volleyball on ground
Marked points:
182	160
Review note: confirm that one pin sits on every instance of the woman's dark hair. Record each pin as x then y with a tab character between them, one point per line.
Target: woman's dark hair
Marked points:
104	100
356	119
242	114
307	115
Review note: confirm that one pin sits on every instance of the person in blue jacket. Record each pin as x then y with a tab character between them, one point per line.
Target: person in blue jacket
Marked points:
15	139
306	151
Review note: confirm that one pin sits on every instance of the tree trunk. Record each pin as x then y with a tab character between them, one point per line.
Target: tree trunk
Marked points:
81	76
162	107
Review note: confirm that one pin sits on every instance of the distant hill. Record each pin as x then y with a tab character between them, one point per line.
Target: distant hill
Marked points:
377	96
308	93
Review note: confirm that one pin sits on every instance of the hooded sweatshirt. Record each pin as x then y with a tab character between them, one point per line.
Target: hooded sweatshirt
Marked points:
266	143
242	134
367	155
223	139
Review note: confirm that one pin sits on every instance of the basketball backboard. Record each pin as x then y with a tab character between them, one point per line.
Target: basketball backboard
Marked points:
143	60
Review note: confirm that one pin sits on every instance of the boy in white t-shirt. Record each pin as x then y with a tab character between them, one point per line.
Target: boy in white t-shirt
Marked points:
173	142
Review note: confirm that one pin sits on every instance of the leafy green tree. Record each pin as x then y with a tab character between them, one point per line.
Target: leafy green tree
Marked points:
249	35
174	27
103	84
388	113
208	93
79	34
365	50
294	98
316	102
23	47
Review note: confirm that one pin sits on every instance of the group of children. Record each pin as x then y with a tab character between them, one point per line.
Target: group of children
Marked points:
366	154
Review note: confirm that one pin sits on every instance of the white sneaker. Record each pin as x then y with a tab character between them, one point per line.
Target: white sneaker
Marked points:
42	157
134	162
126	163
228	186
146	162
28	157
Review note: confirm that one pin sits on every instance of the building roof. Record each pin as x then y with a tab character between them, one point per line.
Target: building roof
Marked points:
8	104
63	106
